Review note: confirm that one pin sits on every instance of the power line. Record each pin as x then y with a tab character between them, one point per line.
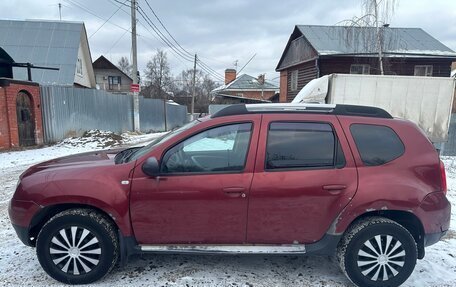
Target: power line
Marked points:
161	23
178	58
216	76
122	3
201	63
117	41
115	12
114	3
161	36
176	49
182	51
92	13
247	63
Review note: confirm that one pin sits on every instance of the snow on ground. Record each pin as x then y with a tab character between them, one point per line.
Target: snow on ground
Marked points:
19	265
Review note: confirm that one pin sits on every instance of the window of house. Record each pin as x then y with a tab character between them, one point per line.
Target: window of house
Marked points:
79	67
423	70
294	80
241	95
293	145
376	145
362	69
220	149
114	82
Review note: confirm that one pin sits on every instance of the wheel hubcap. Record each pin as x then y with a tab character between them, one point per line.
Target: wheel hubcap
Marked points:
381	257
75	250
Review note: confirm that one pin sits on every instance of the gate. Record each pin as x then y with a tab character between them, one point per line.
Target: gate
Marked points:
25	120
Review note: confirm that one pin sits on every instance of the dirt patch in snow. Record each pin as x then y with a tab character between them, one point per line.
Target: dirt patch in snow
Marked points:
95	138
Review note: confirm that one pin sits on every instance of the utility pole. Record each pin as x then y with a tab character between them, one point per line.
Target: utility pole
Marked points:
134	67
194	86
60	11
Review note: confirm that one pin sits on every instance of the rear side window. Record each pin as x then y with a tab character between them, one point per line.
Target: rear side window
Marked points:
302	145
377	145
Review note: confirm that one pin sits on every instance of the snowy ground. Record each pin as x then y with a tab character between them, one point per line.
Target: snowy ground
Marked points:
19	266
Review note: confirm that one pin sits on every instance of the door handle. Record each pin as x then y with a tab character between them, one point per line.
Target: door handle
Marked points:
234	191
160	178
334	187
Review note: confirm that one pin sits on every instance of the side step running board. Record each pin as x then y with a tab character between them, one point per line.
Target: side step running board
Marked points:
226	249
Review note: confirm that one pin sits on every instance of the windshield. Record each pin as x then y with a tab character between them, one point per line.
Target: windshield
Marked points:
142	151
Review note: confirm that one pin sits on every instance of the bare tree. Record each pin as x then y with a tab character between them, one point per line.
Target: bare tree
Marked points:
375	13
203	87
124	65
158	76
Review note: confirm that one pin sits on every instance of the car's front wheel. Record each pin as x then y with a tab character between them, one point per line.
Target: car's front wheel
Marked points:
377	252
77	246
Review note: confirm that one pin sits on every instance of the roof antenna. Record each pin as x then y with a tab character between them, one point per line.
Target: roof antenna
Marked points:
60	11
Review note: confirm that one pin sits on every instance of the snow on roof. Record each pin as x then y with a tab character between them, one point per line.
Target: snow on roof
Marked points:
342	39
358	41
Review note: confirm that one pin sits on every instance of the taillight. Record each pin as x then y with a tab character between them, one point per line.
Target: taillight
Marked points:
443	177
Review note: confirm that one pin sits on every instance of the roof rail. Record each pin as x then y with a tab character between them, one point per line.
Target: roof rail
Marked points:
345	110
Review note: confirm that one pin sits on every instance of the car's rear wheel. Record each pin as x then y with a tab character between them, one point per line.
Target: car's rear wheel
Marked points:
77	246
377	252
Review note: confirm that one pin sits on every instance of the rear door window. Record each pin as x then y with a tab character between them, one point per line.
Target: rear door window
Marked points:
376	144
295	145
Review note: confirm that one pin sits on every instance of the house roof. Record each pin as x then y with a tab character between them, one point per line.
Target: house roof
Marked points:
362	41
243	98
103	63
246	83
5	58
43	43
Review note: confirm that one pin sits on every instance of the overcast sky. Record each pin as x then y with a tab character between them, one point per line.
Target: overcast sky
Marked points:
221	31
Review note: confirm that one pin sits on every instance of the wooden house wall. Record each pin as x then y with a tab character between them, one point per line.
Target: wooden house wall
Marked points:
306	73
392	66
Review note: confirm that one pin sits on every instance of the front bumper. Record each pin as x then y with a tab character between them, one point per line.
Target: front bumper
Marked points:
23	234
21	213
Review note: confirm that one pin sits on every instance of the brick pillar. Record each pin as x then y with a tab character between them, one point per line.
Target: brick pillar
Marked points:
4	124
9	133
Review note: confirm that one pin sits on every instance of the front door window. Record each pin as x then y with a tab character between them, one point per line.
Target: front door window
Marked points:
220	149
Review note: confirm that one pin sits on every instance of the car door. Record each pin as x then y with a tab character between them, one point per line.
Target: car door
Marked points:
304	176
201	194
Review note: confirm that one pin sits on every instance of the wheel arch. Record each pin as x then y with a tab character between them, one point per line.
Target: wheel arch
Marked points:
46	213
405	218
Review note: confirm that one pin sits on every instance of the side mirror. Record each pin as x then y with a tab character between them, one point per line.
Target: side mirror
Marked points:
151	167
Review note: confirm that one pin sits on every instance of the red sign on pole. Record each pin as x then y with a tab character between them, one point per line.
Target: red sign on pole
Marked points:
134	88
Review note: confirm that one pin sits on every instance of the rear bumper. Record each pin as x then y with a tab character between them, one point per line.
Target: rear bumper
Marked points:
433	238
434	213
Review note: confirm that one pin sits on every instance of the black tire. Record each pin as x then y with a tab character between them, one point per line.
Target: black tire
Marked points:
77	235
394	251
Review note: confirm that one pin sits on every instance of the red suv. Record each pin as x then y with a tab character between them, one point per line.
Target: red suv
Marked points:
268	178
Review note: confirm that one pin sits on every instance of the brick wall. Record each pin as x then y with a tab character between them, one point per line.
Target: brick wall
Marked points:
9	134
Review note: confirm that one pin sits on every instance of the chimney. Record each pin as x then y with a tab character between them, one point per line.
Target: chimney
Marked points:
230	75
260	79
